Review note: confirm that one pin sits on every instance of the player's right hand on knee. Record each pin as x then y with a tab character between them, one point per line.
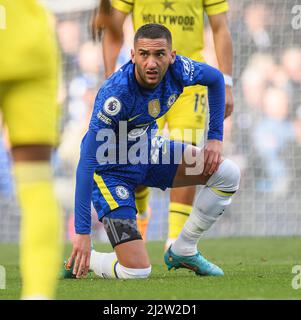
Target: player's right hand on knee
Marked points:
81	253
212	156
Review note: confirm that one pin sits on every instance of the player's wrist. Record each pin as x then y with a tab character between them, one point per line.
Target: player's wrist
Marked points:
83	232
228	80
215	136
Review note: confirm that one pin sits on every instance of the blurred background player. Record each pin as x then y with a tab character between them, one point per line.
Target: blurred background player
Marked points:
185	20
28	101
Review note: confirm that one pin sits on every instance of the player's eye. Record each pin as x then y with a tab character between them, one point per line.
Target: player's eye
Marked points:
161	54
143	54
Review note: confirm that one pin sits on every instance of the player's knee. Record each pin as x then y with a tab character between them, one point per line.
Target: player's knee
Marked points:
231	174
227	177
134	273
138	263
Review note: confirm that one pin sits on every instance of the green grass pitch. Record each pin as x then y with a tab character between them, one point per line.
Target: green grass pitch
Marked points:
255	268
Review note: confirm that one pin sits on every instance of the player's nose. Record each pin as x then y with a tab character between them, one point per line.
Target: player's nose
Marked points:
151	63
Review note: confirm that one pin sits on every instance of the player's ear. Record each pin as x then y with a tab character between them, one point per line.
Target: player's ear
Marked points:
173	56
133	55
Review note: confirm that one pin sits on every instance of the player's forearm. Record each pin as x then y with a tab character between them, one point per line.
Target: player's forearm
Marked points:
113	40
222	42
190	73
83	193
216	100
112	44
224	50
214	80
84	184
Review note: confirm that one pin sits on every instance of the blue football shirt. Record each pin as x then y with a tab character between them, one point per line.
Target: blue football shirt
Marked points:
123	99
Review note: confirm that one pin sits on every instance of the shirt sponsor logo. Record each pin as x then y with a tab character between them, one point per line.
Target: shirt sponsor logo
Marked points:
154	108
122	192
104	118
186	22
112	106
188	67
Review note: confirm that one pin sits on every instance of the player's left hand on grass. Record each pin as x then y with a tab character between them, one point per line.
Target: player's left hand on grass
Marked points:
81	253
212	156
229	102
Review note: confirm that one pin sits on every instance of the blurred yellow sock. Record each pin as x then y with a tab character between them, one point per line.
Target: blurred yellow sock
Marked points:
41	245
178	214
143	217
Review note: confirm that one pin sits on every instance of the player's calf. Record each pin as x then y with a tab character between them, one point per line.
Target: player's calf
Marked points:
209	205
130	259
106	265
217	194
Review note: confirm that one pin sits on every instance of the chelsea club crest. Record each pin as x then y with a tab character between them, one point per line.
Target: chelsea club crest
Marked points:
122	192
171	100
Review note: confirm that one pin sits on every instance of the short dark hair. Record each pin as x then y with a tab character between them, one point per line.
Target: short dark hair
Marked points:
153	31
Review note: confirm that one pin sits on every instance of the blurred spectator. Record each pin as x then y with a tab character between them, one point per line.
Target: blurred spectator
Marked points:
291	61
68	33
256	20
69	36
253	86
271	135
90	59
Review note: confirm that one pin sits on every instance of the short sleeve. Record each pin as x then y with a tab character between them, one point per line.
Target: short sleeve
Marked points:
125	6
213	7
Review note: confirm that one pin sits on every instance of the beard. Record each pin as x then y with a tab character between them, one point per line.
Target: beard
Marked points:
149	78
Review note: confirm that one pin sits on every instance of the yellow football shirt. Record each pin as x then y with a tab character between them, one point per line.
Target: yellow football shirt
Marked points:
29	67
184	18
